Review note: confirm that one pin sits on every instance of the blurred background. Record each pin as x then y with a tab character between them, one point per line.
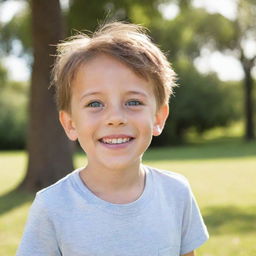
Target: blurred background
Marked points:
209	136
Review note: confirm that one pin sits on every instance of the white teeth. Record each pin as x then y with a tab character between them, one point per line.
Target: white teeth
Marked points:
116	141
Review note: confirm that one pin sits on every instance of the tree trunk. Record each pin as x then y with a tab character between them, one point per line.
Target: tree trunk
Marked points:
50	152
248	103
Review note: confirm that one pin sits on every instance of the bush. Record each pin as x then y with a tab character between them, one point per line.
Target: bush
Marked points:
201	102
13	115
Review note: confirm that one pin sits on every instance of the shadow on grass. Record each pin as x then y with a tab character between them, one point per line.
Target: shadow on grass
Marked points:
230	219
217	149
13	199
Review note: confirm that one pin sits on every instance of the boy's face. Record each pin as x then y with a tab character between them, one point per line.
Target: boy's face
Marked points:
113	113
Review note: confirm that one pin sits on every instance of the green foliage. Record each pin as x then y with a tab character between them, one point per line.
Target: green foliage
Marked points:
82	16
13	116
200	102
3	76
186	34
218	27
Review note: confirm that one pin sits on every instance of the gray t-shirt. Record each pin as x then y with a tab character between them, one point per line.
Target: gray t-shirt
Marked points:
68	219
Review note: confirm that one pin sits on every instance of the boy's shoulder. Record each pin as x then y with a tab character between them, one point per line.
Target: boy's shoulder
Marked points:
59	191
169	179
168	175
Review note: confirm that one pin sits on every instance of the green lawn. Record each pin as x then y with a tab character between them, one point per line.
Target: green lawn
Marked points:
222	174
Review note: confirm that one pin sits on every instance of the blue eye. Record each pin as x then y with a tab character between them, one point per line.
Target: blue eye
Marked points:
134	103
95	104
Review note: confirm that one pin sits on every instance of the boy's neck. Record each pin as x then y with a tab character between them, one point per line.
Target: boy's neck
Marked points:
115	186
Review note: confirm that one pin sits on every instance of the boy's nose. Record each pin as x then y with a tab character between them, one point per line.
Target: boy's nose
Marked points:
116	117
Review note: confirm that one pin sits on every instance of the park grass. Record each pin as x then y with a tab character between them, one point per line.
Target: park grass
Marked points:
222	174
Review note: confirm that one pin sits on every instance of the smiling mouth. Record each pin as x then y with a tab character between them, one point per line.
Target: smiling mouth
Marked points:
115	141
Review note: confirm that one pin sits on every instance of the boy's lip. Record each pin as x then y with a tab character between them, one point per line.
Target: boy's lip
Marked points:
116	136
112	141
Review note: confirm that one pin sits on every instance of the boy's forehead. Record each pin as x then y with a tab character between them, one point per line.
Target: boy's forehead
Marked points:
103	60
103	66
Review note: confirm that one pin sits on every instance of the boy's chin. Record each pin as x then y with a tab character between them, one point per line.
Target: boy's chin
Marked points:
117	163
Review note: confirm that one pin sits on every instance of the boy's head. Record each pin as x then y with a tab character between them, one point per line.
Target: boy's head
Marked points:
112	93
126	42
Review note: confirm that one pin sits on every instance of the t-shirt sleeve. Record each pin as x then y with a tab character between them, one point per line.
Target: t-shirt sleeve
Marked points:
194	231
39	237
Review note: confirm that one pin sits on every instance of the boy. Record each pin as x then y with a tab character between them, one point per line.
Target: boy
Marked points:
112	94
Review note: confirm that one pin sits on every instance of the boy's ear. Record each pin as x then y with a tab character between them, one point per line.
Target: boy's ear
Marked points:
160	119
68	125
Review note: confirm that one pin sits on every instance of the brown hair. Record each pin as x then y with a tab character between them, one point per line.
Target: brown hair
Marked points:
128	43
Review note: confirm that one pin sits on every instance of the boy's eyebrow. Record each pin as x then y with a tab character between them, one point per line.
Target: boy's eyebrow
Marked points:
128	92
137	92
89	94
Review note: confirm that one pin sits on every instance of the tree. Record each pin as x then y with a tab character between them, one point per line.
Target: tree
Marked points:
194	29
246	30
50	152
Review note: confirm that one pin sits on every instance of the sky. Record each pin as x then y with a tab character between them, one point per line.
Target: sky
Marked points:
227	67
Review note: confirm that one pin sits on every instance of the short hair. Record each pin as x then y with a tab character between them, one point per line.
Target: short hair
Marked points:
126	42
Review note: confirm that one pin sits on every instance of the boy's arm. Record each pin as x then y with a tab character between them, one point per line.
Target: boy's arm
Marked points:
194	231
39	237
189	254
